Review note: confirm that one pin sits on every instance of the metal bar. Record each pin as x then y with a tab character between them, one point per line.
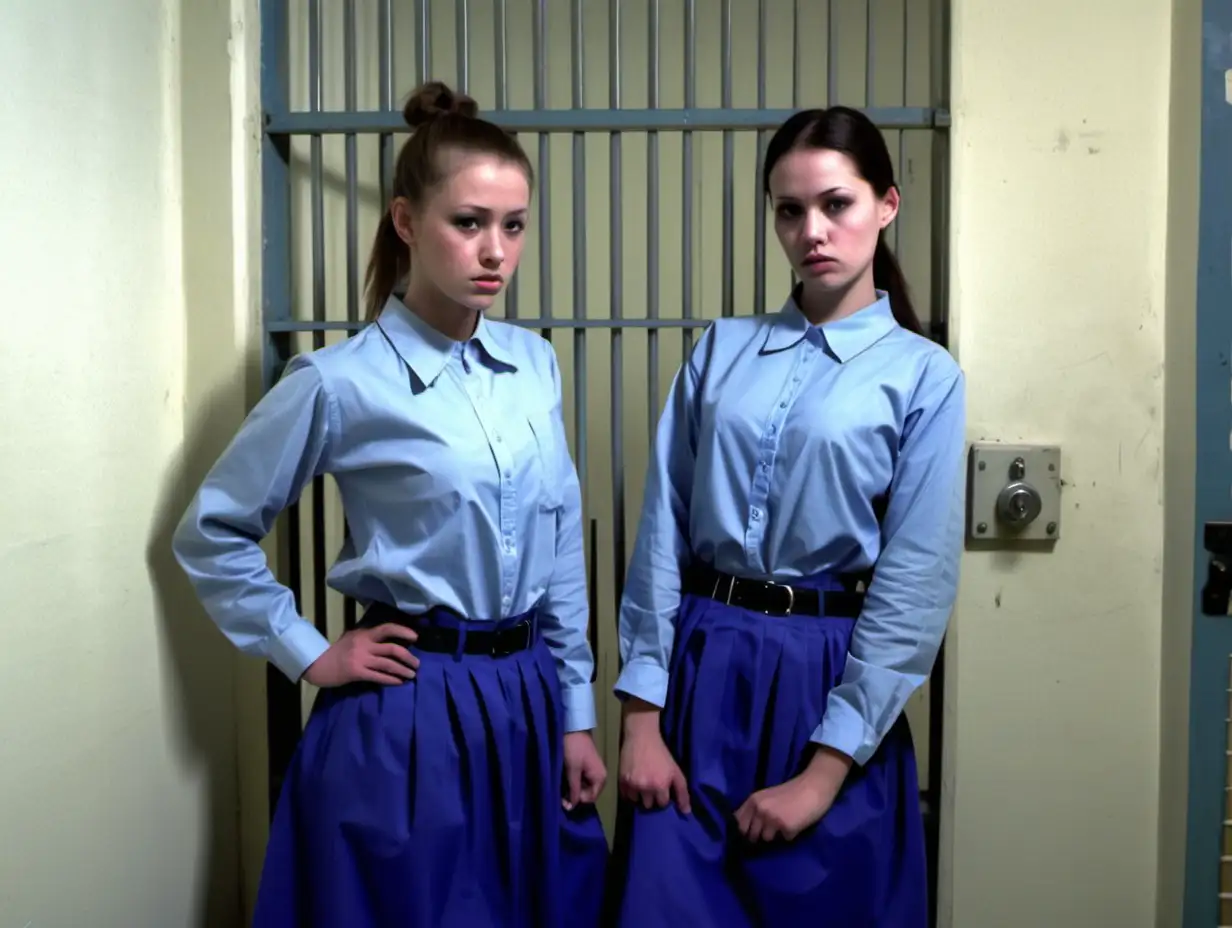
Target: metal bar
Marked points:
797	60
385	80
315	101
352	213
941	176
902	151
579	246
616	311
462	29
653	82
423	21
282	706
686	211
542	322
759	200
597	120
539	52
831	55
500	32
869	54
728	307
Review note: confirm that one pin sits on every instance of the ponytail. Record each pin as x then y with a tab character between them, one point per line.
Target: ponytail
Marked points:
888	276
389	263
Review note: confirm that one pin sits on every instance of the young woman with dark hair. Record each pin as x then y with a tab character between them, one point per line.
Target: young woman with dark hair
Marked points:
792	577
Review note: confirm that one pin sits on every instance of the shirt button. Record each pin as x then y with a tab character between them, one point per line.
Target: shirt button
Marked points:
783	405
756	514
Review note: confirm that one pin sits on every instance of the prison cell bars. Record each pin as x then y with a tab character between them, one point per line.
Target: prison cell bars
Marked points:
282	123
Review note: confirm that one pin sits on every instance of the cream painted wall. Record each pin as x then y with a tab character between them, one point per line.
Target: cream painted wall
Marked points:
118	802
1061	219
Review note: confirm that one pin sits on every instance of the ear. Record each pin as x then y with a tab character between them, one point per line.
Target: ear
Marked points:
404	220
888	209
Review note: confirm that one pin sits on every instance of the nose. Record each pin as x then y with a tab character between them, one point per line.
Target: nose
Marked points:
816	227
492	252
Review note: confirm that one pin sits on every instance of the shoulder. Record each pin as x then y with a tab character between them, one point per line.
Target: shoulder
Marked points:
930	365
334	366
723	339
526	346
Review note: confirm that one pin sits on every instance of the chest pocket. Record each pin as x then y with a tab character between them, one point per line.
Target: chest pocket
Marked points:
549	451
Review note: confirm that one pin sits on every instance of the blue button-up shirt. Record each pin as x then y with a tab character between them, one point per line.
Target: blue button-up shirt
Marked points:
777	449
455	476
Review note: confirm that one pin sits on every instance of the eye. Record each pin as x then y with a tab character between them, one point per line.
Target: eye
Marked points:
787	211
837	205
515	226
466	223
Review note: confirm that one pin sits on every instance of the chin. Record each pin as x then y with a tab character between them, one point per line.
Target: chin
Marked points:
477	302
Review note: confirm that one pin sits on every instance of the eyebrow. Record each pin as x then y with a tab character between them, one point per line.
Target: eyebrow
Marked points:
824	193
520	211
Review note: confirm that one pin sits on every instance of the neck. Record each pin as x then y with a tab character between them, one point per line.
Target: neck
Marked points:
820	306
440	312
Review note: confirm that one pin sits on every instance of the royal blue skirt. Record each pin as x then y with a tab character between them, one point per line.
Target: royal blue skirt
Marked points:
435	803
746	693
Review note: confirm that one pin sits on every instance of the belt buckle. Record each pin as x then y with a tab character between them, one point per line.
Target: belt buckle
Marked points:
517	642
731	588
791	598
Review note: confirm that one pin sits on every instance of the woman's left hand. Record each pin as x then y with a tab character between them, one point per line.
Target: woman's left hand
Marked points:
789	808
584	770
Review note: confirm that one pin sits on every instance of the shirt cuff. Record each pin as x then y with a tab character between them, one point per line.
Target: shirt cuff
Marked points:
645	681
295	650
579	705
843	729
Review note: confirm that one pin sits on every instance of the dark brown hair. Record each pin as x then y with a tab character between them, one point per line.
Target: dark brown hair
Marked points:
440	119
851	132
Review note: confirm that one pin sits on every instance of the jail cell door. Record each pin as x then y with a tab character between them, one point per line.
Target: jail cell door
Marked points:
645	121
1208	863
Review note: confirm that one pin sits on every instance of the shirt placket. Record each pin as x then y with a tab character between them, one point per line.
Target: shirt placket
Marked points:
489	417
767	455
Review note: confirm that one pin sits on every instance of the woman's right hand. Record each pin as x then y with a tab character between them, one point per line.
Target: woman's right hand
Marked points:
366	655
648	772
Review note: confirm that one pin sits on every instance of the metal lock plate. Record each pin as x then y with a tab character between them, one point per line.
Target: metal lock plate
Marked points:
1013	492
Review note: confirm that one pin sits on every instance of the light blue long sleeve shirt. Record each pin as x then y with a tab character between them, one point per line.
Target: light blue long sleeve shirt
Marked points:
779	444
455	477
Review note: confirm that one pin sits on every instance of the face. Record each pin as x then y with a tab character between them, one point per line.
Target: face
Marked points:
466	239
828	217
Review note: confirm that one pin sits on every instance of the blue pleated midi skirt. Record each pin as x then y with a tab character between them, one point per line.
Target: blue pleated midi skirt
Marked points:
746	692
437	803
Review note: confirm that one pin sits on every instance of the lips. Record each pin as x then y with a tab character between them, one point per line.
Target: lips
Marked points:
815	260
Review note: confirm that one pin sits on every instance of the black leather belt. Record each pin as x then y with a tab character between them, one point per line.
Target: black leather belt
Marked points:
444	640
771	598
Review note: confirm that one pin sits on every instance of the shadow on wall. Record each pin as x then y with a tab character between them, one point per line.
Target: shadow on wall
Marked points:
205	668
202	690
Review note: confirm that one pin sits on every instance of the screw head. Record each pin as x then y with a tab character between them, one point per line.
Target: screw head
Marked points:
983	465
982	527
1052	528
